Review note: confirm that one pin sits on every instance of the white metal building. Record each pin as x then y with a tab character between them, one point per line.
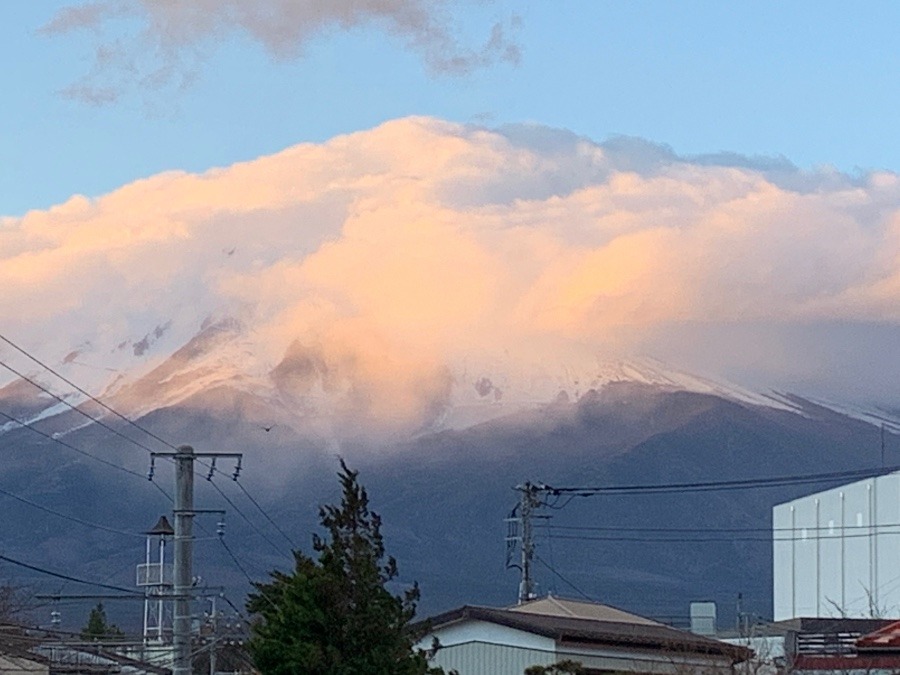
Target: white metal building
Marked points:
836	553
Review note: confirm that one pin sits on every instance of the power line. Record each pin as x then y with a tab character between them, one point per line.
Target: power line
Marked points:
562	578
243	570
55	439
744	484
74	408
66	577
43	365
707	530
235	608
710	539
111	410
73	519
245	517
262	511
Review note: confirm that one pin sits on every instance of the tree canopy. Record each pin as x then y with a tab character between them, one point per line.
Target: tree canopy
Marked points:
97	626
333	615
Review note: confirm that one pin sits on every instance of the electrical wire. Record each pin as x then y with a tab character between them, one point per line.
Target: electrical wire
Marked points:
249	578
119	415
243	515
262	511
744	484
64	516
235	608
694	540
55	439
128	438
236	561
66	577
73	407
43	365
707	530
563	579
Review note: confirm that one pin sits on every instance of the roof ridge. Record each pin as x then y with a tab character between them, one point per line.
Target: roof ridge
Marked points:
561	606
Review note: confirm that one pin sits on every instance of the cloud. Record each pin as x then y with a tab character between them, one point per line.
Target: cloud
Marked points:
163	43
391	270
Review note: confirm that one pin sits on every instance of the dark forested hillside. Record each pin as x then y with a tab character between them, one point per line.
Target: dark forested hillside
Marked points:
444	496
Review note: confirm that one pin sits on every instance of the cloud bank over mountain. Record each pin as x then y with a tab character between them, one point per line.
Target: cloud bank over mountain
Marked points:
170	40
379	265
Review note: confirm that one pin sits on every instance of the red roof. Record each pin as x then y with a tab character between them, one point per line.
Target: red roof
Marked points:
883	638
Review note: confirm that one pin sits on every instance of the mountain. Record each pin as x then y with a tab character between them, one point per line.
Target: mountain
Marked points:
443	490
312	391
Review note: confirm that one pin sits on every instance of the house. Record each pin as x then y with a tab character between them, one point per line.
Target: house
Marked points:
874	652
16	657
31	651
489	641
838	645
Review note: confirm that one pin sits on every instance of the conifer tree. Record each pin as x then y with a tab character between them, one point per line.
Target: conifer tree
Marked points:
333	615
98	628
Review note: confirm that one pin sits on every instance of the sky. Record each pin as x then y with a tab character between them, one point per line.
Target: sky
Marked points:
815	82
386	189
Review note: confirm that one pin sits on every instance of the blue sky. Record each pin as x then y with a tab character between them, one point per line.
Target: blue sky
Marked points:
815	82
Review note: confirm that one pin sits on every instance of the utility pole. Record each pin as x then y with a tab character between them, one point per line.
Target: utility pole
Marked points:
215	637
184	513
528	501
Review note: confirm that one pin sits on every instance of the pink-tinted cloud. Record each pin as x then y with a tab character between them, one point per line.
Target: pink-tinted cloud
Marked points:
383	271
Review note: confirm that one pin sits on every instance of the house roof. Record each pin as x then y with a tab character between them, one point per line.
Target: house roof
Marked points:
887	637
632	631
833	625
577	609
16	643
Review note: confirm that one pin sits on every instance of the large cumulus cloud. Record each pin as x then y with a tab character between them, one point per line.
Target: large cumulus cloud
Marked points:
420	252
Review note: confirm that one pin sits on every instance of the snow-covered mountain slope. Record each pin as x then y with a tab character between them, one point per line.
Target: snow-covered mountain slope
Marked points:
309	388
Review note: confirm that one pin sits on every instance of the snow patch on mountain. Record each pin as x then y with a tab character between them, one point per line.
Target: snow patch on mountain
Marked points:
224	354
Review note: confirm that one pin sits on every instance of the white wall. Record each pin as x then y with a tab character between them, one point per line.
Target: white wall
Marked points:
482	648
470	630
835	552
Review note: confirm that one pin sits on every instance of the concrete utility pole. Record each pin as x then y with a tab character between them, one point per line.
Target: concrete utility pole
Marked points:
527	503
184	558
215	628
184	513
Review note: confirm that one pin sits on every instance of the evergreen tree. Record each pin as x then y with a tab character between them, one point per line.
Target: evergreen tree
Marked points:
333	615
98	628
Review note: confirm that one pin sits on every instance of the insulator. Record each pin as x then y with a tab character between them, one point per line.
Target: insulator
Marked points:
220	528
237	469
212	469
